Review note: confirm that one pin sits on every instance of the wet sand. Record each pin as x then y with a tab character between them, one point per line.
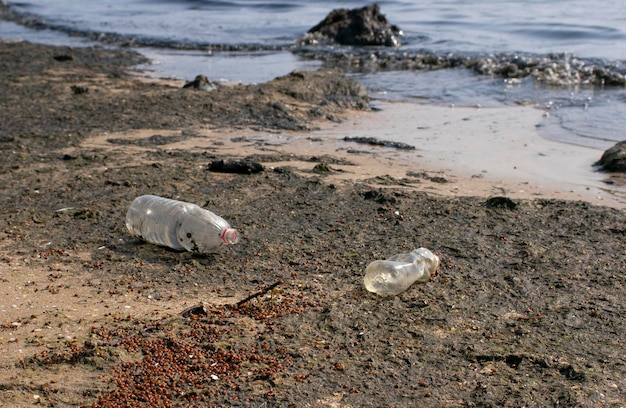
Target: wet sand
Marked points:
480	152
492	151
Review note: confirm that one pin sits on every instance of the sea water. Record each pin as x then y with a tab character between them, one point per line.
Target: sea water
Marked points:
251	41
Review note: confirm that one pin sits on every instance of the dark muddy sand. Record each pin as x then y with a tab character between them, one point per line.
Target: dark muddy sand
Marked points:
526	309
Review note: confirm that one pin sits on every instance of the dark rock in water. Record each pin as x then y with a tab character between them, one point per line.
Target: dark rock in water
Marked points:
235	166
362	26
500	202
614	159
201	82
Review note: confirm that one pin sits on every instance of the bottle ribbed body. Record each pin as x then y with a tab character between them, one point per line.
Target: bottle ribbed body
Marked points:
394	275
178	225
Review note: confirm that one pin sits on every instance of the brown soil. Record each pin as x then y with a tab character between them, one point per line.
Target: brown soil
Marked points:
526	309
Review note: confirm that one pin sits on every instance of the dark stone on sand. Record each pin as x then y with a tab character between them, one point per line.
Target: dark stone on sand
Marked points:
63	58
201	82
361	26
614	159
500	202
235	166
375	142
380	196
79	90
321	168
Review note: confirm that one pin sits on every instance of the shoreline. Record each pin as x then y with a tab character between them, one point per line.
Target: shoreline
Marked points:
493	151
481	152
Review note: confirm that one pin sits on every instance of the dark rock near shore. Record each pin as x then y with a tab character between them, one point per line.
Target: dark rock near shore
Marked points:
362	26
614	159
202	83
235	166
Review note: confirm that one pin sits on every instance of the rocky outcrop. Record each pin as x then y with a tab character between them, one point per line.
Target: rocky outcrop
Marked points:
614	159
362	26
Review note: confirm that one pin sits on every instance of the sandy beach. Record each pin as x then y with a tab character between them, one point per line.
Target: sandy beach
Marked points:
525	308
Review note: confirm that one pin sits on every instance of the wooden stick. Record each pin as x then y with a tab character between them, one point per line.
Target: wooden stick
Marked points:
259	293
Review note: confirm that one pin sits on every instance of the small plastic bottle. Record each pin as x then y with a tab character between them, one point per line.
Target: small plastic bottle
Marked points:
393	276
178	225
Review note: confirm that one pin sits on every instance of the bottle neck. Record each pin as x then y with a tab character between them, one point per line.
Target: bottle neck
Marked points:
230	236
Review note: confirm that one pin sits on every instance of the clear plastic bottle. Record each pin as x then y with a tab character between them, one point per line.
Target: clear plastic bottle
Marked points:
393	276
178	225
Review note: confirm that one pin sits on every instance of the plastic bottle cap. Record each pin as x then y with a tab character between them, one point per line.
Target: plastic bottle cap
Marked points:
230	236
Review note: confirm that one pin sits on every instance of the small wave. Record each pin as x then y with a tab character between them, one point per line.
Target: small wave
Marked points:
36	22
562	70
552	69
574	32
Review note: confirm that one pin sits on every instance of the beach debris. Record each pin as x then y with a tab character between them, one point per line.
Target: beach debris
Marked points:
614	159
376	142
178	225
197	310
235	166
394	275
360	26
201	82
259	293
64	209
